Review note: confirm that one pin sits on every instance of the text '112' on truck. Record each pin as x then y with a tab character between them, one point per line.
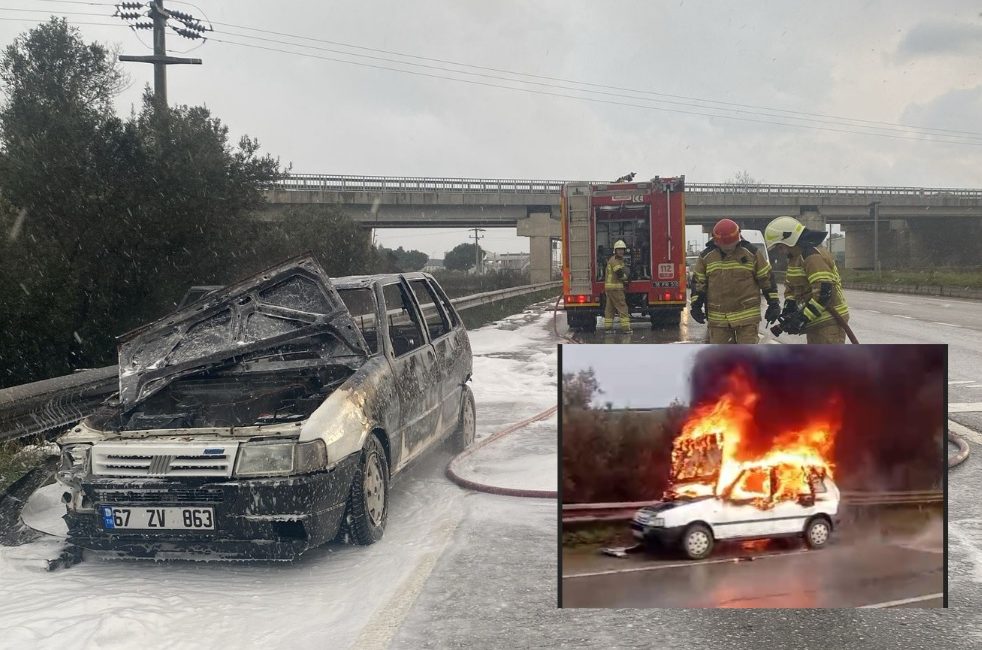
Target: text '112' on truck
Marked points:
650	218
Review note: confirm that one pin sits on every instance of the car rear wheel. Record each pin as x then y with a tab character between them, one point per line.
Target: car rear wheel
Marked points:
817	532
463	435
697	542
368	500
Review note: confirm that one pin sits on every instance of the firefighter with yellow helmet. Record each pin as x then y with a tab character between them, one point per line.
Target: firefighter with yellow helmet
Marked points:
813	287
730	276
615	282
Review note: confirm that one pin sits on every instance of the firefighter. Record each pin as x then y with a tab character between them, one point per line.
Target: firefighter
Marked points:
615	283
813	285
730	276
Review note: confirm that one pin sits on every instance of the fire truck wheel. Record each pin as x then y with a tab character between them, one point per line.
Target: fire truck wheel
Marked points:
817	532
697	542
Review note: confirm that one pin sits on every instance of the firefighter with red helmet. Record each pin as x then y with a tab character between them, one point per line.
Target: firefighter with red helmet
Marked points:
730	276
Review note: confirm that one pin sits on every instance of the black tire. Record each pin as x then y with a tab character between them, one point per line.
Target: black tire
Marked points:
368	500
697	542
463	435
817	532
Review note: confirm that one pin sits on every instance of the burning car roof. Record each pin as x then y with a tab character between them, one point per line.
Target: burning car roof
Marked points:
290	301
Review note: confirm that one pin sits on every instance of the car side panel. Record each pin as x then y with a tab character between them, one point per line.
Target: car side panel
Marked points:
367	400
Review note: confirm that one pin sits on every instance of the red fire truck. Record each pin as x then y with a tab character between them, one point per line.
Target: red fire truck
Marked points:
650	218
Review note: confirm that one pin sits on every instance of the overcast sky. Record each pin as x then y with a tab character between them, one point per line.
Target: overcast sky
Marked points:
905	62
636	376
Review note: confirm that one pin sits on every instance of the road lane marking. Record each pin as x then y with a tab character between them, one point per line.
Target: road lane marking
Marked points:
965	407
937	322
676	566
903	601
387	620
896	302
961	430
962	381
903	316
874	311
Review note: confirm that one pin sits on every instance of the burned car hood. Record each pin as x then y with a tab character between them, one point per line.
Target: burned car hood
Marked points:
290	302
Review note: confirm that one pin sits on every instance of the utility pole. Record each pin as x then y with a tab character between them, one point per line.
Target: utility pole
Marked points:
477	249
191	29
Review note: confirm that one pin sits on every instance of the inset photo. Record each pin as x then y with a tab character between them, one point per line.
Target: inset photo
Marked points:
753	476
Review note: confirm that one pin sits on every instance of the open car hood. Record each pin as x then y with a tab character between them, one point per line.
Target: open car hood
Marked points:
288	302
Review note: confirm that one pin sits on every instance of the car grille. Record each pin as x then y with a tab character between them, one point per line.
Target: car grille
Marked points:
157	496
159	459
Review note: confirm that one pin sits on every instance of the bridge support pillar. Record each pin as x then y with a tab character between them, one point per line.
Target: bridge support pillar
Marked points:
812	218
894	245
541	229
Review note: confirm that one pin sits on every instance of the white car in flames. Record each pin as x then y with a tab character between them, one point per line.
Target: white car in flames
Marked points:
695	523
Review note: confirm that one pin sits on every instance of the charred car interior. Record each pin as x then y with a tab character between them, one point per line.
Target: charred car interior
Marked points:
266	418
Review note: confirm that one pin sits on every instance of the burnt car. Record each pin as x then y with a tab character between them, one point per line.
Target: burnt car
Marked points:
268	417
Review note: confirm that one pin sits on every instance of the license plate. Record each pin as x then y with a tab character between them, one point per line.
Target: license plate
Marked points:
170	518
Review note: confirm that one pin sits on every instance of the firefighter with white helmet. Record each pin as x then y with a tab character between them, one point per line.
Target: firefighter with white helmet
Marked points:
615	284
730	276
813	288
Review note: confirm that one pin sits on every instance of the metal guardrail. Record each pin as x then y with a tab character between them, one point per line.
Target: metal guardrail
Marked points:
339	182
614	512
51	404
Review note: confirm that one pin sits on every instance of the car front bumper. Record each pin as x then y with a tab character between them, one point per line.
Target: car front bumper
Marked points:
657	536
257	518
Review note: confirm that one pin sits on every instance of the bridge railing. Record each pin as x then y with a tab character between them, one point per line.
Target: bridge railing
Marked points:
338	182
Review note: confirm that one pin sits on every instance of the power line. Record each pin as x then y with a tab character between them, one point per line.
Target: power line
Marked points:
61	13
74	22
934	139
567	88
586	83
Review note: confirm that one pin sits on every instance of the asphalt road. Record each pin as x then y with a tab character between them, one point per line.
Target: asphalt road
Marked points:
843	575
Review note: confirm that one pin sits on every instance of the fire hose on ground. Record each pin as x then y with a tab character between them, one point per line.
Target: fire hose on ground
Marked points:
496	489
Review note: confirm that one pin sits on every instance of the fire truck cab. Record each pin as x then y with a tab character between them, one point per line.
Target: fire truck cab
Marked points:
650	218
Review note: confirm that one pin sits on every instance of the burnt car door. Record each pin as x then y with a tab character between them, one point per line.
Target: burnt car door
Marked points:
414	364
450	345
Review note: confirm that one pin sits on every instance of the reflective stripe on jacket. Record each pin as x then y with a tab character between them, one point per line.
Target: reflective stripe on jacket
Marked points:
611	279
807	271
732	284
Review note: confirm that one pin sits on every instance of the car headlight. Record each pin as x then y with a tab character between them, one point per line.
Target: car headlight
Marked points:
656	522
280	458
74	463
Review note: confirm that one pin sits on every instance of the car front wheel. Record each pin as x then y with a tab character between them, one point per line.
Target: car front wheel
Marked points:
368	500
697	542
817	532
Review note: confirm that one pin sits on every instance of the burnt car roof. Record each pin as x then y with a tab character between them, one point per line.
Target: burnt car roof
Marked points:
355	281
285	303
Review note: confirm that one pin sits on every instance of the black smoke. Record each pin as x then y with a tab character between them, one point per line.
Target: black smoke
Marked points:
890	399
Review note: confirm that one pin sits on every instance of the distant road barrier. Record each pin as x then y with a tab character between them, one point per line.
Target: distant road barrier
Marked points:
51	404
614	512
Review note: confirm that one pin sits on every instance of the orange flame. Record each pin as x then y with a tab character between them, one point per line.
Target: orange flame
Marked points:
715	454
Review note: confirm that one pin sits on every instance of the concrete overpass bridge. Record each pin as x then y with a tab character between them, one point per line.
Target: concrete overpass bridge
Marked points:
894	225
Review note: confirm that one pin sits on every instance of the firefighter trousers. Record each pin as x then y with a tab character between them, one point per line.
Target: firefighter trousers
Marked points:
616	302
827	334
733	334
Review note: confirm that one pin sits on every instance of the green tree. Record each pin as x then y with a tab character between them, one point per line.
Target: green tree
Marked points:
461	258
405	260
109	220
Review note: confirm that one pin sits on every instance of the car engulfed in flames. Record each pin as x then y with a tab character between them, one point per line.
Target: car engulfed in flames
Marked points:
732	478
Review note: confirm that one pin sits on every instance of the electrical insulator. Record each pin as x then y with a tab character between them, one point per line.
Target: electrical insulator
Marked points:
143	26
130	5
130	15
185	33
180	15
